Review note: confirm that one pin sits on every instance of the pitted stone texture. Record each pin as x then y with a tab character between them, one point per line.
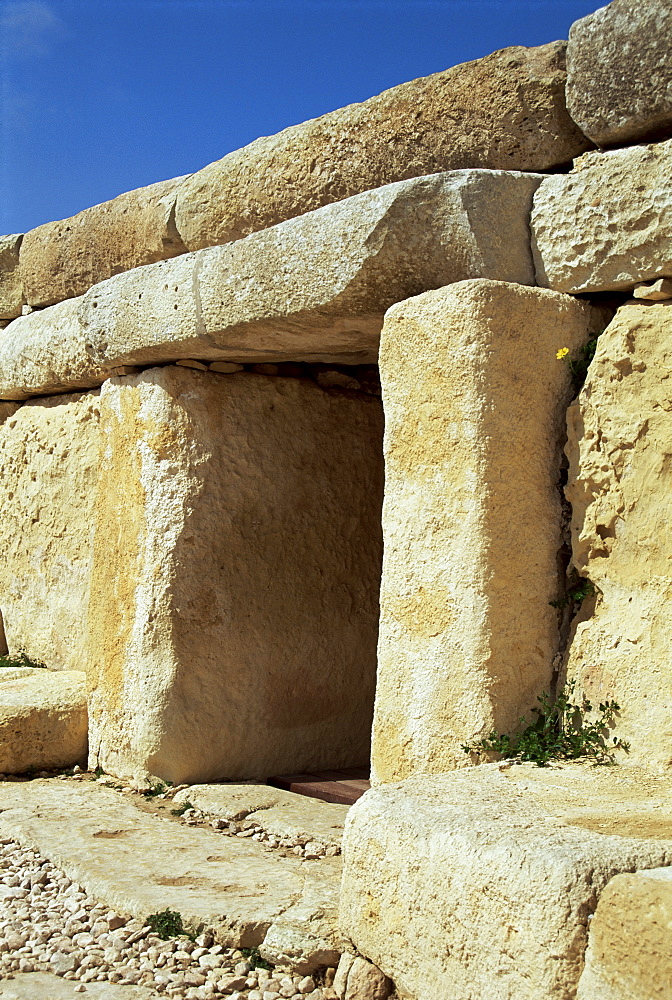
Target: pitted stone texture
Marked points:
49	462
240	639
282	814
608	224
506	111
629	954
620	487
42	720
12	298
311	289
62	259
139	863
619	72
475	405
480	883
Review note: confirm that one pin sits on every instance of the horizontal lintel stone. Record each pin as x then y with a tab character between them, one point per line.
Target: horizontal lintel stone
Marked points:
314	288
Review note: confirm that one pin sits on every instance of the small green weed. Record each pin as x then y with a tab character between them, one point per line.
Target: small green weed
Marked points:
158	789
181	810
167	924
22	660
578	365
561	731
254	958
580	588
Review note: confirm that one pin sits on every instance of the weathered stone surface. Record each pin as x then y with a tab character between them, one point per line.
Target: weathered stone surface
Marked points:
619	72
629	954
283	814
608	224
654	291
63	259
474	419
311	289
620	488
42	720
11	286
506	111
45	986
479	884
240	640
366	982
139	863
49	462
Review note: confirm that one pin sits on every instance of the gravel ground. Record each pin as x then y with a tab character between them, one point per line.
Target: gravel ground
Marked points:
49	924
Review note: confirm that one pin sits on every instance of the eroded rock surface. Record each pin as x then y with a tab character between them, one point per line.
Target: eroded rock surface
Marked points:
49	462
11	286
475	404
607	224
506	112
461	884
620	488
619	72
240	639
310	289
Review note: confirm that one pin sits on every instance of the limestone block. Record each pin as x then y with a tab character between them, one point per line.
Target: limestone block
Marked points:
49	462
506	111
620	487
479	884
619	72
42	720
654	291
63	259
629	954
30	985
240	639
608	224
310	289
11	286
474	418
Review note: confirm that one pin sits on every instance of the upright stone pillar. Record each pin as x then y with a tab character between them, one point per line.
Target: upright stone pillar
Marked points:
475	402
234	600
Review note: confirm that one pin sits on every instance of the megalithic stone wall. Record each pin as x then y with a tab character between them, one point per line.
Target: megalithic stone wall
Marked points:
475	403
234	597
620	488
310	289
49	468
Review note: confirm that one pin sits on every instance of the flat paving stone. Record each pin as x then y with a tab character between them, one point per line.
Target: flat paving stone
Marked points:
43	986
139	863
279	813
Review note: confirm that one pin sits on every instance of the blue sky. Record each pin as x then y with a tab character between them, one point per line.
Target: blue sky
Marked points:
101	96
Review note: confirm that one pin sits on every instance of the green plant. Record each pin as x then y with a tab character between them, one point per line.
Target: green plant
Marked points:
254	958
561	731
181	810
578	365
167	924
22	660
580	588
158	789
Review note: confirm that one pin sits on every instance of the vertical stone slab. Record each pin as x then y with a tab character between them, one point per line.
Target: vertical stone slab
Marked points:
49	469
234	607
12	297
475	403
620	487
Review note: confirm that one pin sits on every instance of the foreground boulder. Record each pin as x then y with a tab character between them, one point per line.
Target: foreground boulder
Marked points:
240	638
506	111
63	259
608	224
480	883
620	489
49	463
311	289
619	72
43	722
475	404
629	954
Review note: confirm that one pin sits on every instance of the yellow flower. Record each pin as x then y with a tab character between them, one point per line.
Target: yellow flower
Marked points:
562	353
